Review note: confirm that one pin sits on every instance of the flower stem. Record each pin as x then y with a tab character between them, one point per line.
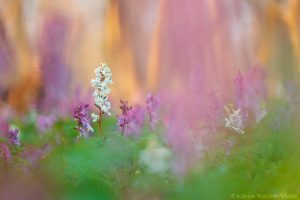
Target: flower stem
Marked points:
100	121
123	128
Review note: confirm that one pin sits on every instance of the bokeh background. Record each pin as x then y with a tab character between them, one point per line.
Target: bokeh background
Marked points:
195	56
49	49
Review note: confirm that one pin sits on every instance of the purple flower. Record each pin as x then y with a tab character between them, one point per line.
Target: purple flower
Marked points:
124	118
179	139
55	73
153	103
212	110
124	107
136	122
45	122
13	137
80	114
251	92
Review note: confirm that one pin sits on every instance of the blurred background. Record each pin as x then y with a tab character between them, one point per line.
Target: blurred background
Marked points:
49	49
190	53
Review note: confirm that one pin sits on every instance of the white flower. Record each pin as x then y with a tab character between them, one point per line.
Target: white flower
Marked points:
95	117
156	158
98	72
90	128
100	83
234	120
86	131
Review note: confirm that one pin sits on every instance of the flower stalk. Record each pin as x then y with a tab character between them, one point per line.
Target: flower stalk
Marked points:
80	115
100	83
124	119
234	119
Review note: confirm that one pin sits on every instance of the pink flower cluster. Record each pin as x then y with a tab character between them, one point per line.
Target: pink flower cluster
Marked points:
251	92
80	114
132	119
124	118
153	103
13	137
45	122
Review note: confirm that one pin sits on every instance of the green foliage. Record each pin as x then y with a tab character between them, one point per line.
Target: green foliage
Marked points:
94	166
268	164
264	160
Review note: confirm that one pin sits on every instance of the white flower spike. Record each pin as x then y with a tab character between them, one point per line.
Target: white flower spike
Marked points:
101	83
95	117
234	120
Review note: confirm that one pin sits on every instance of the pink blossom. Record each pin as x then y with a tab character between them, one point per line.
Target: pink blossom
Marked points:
124	118
153	104
13	137
250	91
80	114
136	122
45	122
55	72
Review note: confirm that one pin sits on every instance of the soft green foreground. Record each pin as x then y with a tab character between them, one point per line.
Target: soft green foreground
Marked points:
264	162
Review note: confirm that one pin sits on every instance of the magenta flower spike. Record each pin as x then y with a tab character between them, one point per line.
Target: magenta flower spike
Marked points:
13	137
45	122
101	84
55	72
80	114
250	91
137	119
153	103
124	118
